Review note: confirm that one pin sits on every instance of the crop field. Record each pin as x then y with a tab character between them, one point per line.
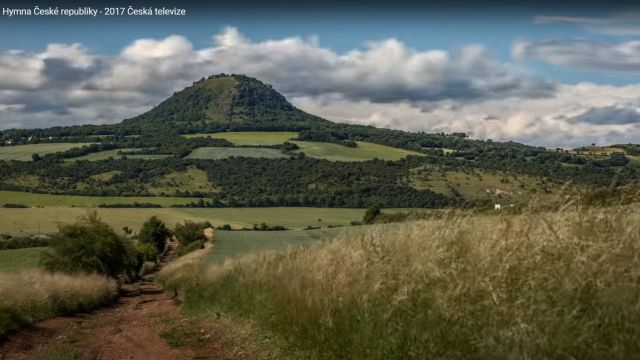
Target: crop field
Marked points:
20	259
32	199
251	137
365	151
216	153
233	244
45	220
103	155
24	152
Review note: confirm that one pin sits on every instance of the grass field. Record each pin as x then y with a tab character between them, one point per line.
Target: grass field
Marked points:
45	220
24	152
191	180
20	259
365	151
216	153
103	155
251	137
546	285
233	244
32	199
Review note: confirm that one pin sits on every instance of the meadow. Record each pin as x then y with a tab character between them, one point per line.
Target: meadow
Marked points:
536	286
251	137
20	259
45	220
365	151
33	199
104	155
217	153
24	152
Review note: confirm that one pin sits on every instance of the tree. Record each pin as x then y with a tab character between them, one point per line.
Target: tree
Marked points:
90	246
154	232
371	214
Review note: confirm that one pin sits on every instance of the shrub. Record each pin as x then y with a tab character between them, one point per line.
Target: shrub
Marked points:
190	232
371	214
154	232
196	245
90	246
146	252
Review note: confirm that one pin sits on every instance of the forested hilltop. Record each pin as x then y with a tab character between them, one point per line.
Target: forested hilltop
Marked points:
232	140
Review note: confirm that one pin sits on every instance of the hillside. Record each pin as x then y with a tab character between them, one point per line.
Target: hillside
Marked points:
222	102
234	141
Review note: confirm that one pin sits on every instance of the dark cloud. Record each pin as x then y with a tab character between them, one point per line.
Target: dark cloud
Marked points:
610	115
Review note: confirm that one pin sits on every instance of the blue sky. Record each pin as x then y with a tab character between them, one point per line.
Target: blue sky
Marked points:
524	72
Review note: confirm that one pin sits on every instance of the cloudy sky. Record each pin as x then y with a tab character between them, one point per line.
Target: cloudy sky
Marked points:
553	76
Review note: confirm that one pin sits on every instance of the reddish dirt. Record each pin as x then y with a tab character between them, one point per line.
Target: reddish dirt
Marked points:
139	326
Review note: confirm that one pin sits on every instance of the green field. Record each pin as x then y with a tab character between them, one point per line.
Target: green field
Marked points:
232	244
32	199
103	155
251	137
46	220
190	180
20	259
24	152
216	153
365	151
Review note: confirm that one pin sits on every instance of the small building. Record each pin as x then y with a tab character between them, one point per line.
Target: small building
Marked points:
497	207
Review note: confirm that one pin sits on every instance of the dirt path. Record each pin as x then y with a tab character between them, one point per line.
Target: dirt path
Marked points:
145	323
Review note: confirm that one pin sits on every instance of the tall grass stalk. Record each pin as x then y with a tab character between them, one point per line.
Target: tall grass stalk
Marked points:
28	297
563	285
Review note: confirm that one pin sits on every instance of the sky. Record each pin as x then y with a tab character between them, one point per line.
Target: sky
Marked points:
556	75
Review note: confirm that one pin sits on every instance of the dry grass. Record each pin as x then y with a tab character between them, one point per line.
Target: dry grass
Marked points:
563	285
32	296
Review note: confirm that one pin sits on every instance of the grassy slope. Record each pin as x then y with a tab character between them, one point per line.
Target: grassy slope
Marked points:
190	180
558	285
20	259
215	153
31	199
24	152
251	137
474	183
365	151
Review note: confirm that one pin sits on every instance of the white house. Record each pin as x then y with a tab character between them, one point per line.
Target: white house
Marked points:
497	207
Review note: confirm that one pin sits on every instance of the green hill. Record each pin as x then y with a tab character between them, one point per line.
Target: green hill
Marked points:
222	102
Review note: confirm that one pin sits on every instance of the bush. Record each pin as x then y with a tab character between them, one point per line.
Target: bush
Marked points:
190	232
14	206
371	214
154	232
24	242
146	252
196	245
90	246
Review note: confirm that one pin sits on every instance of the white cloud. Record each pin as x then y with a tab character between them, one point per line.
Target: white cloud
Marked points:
585	54
385	83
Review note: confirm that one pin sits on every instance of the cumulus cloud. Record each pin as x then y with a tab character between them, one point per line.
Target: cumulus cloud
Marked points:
581	53
384	83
